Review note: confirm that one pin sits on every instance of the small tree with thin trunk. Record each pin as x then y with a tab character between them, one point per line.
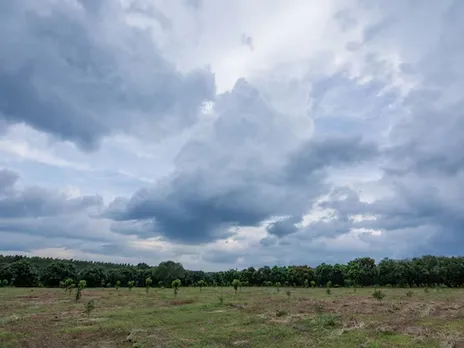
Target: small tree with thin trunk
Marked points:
176	285
118	284
130	284
81	286
148	282
201	284
313	283
236	284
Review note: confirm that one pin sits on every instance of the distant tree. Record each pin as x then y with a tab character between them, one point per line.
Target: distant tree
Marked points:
118	284
130	284
57	271
22	273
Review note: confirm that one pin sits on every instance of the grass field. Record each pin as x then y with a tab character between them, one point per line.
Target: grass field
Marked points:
256	317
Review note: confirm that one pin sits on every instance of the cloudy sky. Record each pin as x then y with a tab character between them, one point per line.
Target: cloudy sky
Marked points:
231	133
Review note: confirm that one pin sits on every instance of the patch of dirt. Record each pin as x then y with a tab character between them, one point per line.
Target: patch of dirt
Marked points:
180	302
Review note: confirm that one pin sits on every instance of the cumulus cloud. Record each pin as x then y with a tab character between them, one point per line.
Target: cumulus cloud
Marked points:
79	71
339	137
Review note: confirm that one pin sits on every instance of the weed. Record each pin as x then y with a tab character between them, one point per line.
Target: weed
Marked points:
319	308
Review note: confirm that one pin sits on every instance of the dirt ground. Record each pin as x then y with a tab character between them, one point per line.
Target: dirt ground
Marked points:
217	317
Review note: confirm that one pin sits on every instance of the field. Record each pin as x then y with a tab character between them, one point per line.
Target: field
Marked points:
255	317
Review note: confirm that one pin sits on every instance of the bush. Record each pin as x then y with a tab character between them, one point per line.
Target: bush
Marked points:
378	295
328	291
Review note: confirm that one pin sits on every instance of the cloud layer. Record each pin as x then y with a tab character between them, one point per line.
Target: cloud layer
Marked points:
146	130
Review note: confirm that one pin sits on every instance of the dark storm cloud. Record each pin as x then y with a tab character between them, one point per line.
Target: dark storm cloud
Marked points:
81	72
228	180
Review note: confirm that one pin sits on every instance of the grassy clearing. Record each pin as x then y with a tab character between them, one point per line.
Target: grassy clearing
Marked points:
255	317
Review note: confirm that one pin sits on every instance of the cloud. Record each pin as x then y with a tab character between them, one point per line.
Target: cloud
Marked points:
230	177
86	73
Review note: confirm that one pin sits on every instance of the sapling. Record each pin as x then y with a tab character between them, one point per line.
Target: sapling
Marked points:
176	285
313	283
201	284
81	286
89	307
328	291
306	283
118	284
329	284
148	282
378	295
130	284
236	284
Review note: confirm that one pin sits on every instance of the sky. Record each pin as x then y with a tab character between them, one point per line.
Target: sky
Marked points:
228	134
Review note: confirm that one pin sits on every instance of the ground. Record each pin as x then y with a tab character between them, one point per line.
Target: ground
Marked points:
255	317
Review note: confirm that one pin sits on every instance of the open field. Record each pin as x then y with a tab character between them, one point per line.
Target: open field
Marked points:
256	317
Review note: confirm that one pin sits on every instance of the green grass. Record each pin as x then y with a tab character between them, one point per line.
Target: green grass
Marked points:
256	317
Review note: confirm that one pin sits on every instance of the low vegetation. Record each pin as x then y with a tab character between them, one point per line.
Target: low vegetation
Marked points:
216	317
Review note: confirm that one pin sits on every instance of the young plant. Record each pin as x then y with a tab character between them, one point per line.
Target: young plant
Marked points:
176	285
81	286
89	307
409	293
313	283
148	282
306	283
378	295
221	299
68	285
118	284
328	291
130	284
201	284
329	284
236	284
278	285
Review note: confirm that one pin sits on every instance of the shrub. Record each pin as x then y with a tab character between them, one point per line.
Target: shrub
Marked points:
378	295
313	283
130	284
89	307
328	291
329	284
118	284
236	284
176	285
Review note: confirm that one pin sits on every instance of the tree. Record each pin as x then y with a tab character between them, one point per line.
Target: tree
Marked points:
118	284
22	274
56	272
81	286
236	284
176	283
130	284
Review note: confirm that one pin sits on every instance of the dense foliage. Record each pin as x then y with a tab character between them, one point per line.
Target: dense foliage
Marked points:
427	270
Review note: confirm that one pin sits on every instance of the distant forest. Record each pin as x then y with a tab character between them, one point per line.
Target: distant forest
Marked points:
425	271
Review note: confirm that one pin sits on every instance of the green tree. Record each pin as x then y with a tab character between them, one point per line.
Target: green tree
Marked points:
176	283
201	284
118	284
236	284
22	273
148	282
130	284
57	271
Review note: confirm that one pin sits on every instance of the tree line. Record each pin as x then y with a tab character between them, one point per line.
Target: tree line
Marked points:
428	270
